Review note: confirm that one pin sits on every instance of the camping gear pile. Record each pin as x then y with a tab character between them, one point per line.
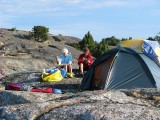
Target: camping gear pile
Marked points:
48	75
133	65
22	87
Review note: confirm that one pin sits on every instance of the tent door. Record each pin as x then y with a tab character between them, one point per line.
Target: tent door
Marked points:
101	73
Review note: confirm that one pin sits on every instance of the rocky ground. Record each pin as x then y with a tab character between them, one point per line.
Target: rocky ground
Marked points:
87	105
22	60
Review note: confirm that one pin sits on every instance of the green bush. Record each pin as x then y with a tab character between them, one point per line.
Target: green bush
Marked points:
13	29
40	33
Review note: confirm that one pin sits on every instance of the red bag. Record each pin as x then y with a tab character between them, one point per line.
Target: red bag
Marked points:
14	87
45	90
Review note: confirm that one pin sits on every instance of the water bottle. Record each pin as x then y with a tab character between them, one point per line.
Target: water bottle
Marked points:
59	60
43	71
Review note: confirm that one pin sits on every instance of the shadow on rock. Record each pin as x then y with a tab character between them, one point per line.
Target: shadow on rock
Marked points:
8	98
26	77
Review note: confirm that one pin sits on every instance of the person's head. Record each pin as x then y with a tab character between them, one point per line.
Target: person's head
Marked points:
86	51
65	51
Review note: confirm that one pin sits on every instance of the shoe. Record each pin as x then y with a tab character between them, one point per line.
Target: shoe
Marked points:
70	75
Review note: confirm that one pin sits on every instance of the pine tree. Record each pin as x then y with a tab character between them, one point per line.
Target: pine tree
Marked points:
103	47
89	42
40	33
130	38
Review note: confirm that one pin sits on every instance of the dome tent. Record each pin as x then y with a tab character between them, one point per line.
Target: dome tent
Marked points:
122	68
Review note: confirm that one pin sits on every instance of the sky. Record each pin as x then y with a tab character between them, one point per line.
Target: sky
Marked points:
103	18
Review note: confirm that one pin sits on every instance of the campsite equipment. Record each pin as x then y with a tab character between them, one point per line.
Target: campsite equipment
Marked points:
26	88
13	87
57	91
50	71
59	61
63	72
149	48
122	68
44	90
43	71
53	75
22	87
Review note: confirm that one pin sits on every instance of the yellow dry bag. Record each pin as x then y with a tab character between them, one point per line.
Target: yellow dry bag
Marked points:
54	77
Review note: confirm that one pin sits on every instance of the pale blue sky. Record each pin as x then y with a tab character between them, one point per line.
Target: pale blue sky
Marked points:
103	18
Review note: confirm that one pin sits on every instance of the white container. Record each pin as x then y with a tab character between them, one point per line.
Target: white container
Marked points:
59	61
43	71
70	62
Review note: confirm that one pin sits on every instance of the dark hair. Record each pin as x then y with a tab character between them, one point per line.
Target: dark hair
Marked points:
86	50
